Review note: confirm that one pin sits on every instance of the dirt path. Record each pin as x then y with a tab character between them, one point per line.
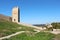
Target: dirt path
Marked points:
55	32
6	37
12	35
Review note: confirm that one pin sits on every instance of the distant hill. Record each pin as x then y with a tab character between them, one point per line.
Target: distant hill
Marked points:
39	25
3	17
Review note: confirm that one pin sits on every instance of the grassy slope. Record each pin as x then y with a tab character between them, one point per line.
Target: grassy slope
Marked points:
7	28
38	36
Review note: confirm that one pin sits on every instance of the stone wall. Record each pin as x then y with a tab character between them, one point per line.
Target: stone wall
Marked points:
5	17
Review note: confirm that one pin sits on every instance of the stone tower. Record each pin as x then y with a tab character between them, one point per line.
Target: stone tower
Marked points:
15	15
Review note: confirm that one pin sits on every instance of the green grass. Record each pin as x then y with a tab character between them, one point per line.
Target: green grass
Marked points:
30	36
7	28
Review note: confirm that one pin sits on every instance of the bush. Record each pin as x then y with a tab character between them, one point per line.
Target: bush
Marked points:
56	25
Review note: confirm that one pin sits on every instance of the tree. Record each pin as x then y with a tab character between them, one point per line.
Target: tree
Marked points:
56	25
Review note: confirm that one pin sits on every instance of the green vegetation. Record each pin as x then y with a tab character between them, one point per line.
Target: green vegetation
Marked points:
56	25
7	28
38	36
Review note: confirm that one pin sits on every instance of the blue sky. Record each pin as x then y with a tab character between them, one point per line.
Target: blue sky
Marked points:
33	11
